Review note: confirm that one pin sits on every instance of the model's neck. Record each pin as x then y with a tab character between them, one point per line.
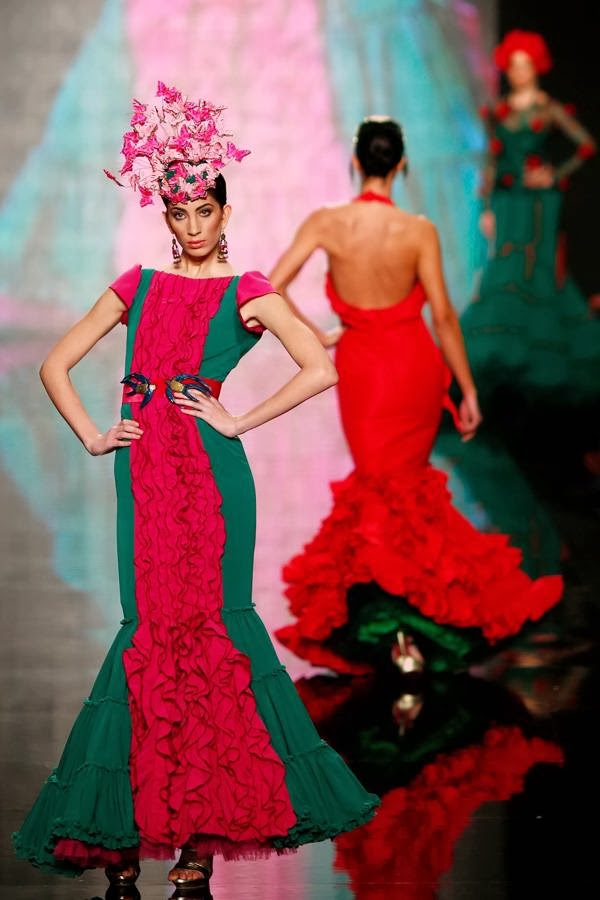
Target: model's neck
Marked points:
375	185
202	268
524	96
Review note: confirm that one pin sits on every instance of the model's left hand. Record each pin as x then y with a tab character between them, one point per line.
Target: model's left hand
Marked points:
209	410
470	417
538	177
333	335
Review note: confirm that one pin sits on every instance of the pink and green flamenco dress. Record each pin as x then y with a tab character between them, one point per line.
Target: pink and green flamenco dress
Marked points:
193	731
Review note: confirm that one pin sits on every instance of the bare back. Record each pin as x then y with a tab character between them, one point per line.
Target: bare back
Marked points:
373	252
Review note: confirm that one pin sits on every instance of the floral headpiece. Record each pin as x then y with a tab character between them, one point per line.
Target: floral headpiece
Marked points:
529	42
175	148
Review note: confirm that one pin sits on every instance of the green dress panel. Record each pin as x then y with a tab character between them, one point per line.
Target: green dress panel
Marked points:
87	807
529	328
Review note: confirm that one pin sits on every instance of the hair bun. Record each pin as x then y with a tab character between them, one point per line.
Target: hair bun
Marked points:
379	145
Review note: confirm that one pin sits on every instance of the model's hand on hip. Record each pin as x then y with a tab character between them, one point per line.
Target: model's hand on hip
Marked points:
539	177
120	435
333	335
209	410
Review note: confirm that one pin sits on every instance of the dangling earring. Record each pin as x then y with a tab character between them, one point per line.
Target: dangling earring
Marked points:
175	251
223	249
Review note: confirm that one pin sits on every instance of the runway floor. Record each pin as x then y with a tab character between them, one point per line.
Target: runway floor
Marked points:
485	793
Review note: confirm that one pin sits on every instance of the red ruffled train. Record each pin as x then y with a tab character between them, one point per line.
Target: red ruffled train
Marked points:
402	532
392	522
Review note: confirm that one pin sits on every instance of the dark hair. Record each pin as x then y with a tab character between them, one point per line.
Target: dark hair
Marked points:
379	146
218	192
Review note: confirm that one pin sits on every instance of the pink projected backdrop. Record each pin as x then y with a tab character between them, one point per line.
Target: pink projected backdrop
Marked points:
265	62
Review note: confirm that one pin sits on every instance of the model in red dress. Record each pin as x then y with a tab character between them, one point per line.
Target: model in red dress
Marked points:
394	557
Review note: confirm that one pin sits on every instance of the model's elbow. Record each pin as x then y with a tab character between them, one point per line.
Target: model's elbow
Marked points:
51	371
328	376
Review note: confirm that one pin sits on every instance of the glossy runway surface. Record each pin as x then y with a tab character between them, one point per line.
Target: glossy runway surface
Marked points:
483	794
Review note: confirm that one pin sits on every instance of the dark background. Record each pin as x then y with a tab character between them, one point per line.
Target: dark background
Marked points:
574	43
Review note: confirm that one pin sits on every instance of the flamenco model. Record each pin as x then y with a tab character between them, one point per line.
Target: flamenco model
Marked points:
193	737
394	558
529	328
532	342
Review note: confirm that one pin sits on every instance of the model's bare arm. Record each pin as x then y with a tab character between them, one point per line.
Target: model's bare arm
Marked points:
315	373
306	240
573	129
446	325
70	349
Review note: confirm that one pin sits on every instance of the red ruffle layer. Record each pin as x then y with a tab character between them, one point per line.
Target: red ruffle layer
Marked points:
412	838
402	532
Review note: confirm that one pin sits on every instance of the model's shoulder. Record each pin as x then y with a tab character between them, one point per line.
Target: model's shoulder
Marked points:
253	284
420	223
423	230
131	271
331	211
127	281
543	98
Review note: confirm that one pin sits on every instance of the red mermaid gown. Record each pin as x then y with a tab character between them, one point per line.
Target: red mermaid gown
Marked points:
393	525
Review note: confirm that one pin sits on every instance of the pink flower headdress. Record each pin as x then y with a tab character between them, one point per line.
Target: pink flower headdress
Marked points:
175	148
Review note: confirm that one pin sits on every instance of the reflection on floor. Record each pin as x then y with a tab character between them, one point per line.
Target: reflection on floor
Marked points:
485	776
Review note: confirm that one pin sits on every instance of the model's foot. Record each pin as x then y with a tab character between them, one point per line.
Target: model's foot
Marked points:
406	655
122	876
191	869
178	874
128	873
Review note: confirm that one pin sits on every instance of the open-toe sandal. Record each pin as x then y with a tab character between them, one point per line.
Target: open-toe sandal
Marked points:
189	861
116	878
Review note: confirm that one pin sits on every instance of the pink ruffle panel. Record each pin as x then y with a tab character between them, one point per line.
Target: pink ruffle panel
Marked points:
202	762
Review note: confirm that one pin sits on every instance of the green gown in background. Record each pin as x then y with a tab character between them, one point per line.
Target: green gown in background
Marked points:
532	343
529	328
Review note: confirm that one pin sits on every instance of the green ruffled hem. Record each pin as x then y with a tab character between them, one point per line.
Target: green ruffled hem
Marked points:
375	617
532	336
88	796
328	800
43	859
94	807
326	796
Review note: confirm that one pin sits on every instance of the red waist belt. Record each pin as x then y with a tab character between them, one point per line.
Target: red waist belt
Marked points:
139	389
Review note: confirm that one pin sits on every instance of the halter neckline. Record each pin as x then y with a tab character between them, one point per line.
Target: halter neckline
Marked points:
372	196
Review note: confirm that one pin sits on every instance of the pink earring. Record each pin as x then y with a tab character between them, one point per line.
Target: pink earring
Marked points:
175	251
223	249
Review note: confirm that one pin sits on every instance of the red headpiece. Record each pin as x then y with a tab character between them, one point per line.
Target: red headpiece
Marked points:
529	42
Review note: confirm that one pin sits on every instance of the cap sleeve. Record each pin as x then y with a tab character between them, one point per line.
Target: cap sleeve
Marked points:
125	287
251	285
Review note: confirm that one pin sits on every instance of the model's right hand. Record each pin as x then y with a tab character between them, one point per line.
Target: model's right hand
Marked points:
120	435
487	224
